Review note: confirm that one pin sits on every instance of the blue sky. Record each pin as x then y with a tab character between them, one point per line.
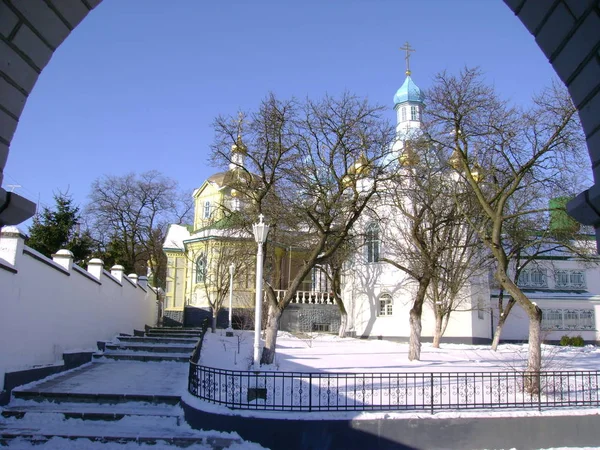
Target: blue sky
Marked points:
136	86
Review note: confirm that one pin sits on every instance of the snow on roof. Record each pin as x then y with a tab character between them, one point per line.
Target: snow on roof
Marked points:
175	236
179	235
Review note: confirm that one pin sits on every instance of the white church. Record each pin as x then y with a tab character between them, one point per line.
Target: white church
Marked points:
378	296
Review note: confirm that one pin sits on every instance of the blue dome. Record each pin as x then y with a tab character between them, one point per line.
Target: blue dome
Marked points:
408	92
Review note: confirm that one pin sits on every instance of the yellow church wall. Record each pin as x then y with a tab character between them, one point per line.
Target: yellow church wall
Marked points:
203	216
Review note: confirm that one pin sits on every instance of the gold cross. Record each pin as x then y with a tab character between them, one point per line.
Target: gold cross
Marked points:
407	49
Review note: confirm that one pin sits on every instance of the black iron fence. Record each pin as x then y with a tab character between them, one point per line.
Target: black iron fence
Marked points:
431	392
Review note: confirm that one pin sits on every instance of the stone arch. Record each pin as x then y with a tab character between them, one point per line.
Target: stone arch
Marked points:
567	31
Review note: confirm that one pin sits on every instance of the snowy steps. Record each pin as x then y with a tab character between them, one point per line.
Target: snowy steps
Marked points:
158	344
50	409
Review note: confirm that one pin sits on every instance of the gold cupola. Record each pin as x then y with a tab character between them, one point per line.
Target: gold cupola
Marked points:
409	156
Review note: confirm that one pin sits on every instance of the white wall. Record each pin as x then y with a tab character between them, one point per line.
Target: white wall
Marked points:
51	307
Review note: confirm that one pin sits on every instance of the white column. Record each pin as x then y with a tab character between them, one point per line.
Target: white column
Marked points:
95	268
64	258
12	241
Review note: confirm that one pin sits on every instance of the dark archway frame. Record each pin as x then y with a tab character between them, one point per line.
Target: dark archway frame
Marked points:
567	31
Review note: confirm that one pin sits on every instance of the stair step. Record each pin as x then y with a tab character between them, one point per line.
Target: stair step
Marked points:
142	356
83	397
151	347
159	340
89	411
105	434
174	331
180	335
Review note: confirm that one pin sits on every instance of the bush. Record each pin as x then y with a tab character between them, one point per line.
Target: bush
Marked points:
574	341
577	341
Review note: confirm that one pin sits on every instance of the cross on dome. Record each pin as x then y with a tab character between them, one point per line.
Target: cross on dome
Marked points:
407	48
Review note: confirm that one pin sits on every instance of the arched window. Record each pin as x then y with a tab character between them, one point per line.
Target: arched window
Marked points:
386	303
200	269
372	242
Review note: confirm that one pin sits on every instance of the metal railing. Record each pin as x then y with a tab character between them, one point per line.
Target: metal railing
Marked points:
195	357
431	392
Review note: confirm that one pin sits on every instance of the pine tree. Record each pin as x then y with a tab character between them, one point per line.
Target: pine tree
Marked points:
58	228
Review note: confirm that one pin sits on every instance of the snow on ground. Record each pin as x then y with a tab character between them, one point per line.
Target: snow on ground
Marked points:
314	352
84	444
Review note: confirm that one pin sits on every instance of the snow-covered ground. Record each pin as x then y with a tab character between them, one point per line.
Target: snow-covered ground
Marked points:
322	352
300	353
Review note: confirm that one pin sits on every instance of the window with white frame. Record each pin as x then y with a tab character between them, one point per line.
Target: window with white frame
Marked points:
533	277
200	269
385	304
414	113
568	319
372	242
403	114
480	307
206	214
569	278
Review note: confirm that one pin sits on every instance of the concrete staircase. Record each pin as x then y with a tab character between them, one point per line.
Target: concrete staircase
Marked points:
129	392
158	344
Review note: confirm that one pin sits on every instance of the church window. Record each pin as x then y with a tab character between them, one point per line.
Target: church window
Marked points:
200	269
372	242
385	305
414	113
403	113
206	209
534	277
569	279
568	319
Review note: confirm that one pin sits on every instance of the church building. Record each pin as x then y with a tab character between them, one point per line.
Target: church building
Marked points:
377	295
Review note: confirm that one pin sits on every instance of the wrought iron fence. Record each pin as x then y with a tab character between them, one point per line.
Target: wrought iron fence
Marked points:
298	391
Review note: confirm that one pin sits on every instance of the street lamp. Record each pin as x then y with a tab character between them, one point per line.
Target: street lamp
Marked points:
260	231
229	331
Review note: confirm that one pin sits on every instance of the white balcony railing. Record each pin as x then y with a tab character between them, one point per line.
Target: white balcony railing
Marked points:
308	297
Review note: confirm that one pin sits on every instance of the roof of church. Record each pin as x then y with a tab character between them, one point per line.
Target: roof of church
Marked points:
229	177
408	92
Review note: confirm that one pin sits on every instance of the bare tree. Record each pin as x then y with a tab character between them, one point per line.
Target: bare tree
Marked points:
500	151
460	264
312	169
425	234
129	215
529	238
213	270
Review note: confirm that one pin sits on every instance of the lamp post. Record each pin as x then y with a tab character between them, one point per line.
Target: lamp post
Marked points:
260	231
229	331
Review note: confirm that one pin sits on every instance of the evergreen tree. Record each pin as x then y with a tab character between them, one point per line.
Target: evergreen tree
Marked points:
58	228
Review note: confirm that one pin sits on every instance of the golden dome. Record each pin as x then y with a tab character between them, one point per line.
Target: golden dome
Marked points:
409	157
361	165
239	146
455	160
477	173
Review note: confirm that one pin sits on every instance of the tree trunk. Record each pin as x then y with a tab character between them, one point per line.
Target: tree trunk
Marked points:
268	353
343	324
502	316
414	344
343	316
213	324
437	336
534	360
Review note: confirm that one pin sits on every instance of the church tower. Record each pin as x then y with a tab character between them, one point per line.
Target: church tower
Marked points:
408	104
